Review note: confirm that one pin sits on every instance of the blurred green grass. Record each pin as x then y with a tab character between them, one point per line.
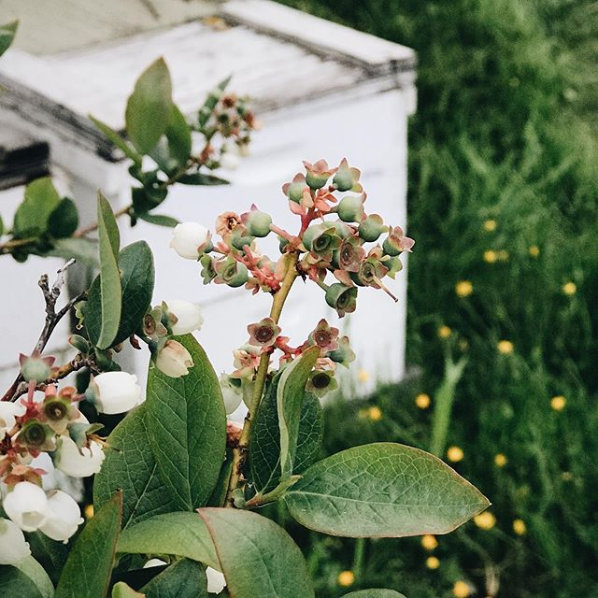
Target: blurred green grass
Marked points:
503	188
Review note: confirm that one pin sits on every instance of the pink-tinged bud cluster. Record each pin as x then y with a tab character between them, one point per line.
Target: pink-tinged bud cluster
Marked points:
51	424
331	241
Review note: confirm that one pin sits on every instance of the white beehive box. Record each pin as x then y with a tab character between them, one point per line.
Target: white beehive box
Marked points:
321	91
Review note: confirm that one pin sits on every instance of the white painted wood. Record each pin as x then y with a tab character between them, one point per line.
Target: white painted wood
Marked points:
319	34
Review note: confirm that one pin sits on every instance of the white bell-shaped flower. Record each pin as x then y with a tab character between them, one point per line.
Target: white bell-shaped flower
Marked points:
115	392
174	360
188	315
64	517
8	412
13	548
78	463
189	239
216	581
230	161
27	505
231	394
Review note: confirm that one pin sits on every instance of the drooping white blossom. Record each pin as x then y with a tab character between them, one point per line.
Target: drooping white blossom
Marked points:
174	360
13	547
63	517
78	463
27	505
188	315
189	239
115	392
216	581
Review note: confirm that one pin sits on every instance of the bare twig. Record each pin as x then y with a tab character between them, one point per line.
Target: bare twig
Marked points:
51	295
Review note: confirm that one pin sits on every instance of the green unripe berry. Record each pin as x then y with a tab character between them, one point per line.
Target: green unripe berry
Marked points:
350	209
34	368
343	180
258	223
371	228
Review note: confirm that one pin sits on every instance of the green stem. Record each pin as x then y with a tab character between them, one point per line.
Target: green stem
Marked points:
358	557
240	452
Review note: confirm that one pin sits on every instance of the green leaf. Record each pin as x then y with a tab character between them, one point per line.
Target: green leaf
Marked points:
176	534
149	107
374	594
32	216
64	220
258	557
130	466
187	428
36	573
7	35
198	178
178	134
15	584
383	490
83	250
289	399
122	590
87	571
109	279
50	554
264	457
183	579
159	219
114	137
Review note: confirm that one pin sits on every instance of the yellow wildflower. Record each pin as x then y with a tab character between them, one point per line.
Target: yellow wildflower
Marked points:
570	288
505	347
490	225
423	400
363	376
461	589
432	562
464	288
444	332
88	512
429	542
455	454
558	403
490	256
346	578
500	460
375	413
485	520
534	251
519	527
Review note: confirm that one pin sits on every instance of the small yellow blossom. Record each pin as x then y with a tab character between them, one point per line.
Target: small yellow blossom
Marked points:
534	251
375	413
461	590
432	562
570	288
490	225
490	256
505	347
444	332
485	520
558	403
363	376
464	288
566	476
423	400
519	527
500	460
429	542
503	255
455	454
346	578
88	512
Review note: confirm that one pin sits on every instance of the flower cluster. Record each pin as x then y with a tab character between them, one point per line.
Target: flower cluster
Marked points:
53	425
264	339
332	240
229	117
171	318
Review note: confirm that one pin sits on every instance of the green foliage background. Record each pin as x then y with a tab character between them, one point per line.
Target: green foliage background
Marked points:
505	131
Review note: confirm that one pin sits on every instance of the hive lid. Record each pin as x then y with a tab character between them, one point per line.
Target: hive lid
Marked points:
278	56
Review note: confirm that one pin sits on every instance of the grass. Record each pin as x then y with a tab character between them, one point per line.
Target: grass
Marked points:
503	186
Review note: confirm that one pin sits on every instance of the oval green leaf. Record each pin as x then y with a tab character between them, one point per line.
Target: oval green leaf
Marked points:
186	423
289	400
183	579
258	557
87	571
130	466
264	457
32	215
7	35
383	490
149	107
178	534
15	584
